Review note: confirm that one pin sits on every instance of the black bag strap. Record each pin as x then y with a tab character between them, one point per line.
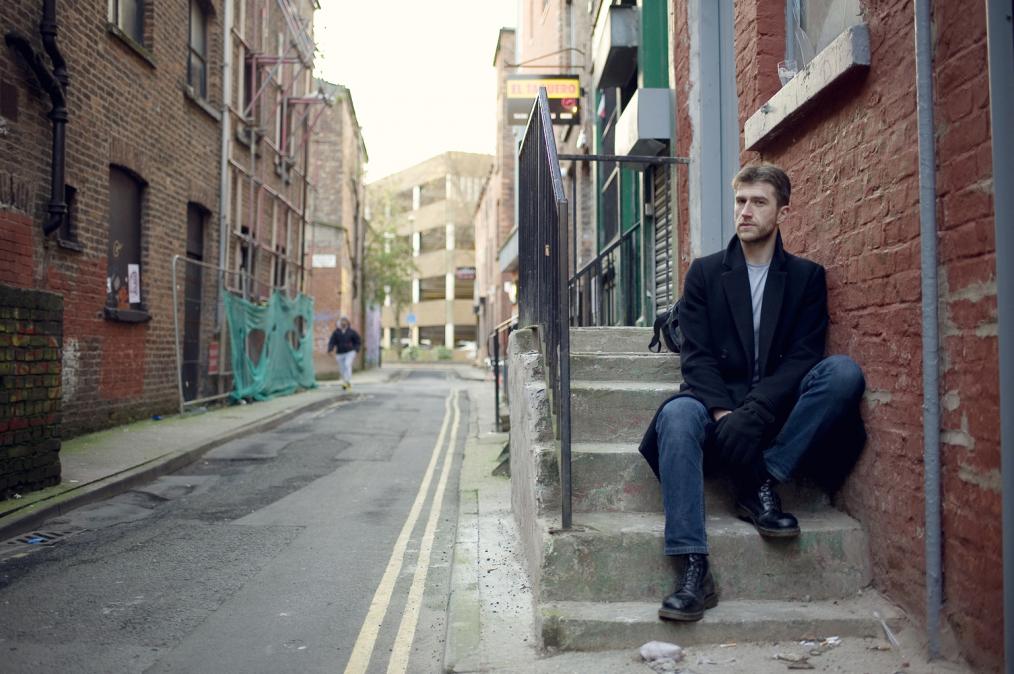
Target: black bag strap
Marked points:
656	344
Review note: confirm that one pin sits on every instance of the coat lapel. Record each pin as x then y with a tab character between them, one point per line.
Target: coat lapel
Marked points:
736	284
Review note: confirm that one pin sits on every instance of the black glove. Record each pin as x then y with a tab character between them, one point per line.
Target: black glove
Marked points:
739	436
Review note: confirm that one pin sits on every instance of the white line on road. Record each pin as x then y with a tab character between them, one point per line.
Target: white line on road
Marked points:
362	651
398	663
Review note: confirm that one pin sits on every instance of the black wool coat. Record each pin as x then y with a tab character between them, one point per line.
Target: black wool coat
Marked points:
716	318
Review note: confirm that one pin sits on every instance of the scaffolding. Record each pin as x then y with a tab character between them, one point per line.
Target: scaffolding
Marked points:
266	212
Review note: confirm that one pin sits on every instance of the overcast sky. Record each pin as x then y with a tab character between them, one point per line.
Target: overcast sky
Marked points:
421	73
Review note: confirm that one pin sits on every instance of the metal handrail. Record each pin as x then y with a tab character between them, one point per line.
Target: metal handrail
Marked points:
543	270
494	335
605	251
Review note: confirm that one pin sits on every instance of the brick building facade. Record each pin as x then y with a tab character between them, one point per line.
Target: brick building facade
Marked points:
336	233
142	156
151	102
494	215
853	157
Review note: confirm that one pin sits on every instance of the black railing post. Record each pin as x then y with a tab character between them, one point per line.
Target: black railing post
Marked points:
496	379
543	269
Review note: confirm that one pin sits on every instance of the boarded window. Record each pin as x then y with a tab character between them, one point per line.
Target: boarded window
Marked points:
197	65
123	282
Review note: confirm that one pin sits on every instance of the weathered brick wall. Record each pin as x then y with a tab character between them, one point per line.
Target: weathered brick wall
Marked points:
31	326
130	109
854	164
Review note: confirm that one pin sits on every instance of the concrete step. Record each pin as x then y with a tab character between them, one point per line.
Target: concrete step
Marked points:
610	340
614	411
614	477
589	626
645	367
619	557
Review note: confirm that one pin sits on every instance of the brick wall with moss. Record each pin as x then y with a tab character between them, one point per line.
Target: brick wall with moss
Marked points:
31	332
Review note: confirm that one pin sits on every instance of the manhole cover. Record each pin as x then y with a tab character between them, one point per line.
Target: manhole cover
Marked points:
25	543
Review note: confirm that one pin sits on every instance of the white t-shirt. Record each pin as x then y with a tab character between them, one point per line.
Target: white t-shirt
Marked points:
758	279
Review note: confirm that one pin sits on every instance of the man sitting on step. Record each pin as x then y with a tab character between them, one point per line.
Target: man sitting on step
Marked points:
757	394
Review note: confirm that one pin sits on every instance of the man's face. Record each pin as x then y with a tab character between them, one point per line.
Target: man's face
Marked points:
757	212
343	325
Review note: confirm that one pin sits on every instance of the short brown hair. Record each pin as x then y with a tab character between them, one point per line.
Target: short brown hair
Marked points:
766	173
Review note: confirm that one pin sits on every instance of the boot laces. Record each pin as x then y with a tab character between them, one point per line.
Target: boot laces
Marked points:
693	573
768	496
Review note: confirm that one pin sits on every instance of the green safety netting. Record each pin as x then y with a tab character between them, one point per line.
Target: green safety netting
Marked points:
271	345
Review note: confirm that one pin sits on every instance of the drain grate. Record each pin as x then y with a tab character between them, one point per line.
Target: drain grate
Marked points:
25	543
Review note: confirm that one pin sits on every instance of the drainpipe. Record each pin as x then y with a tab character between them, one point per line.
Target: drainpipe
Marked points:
930	324
224	202
1001	101
55	84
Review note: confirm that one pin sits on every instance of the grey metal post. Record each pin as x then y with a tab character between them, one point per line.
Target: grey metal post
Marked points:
176	331
1000	41
564	360
496	379
930	325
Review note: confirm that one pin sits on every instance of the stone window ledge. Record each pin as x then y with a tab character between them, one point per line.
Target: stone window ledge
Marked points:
126	315
191	95
143	52
70	244
847	54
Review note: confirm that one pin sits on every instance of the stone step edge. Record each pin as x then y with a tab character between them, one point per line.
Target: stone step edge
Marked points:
595	626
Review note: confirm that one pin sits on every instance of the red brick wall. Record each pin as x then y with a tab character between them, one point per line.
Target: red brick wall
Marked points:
854	164
17	249
124	109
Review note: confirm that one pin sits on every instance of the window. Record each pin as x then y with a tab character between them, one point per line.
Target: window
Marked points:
433	288
128	15
280	267
814	24
433	240
464	289
431	335
197	64
433	192
464	237
123	276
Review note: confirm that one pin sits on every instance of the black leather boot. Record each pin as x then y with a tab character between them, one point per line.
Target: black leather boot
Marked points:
694	593
761	506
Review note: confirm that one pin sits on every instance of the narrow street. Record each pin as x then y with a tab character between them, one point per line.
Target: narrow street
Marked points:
313	547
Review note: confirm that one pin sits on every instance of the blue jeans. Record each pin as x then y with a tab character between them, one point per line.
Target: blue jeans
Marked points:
832	388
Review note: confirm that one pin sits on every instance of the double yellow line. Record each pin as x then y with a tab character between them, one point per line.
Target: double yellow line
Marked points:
366	642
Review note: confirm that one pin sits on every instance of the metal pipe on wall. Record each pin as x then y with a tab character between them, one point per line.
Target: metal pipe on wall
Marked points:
999	31
930	324
224	188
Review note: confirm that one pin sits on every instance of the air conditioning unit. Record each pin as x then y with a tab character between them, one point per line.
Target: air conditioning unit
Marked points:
645	125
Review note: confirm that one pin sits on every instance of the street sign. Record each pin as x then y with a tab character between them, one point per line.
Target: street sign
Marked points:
563	92
465	273
410	319
213	357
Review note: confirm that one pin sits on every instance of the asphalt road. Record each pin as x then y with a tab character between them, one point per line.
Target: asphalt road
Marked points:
295	550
